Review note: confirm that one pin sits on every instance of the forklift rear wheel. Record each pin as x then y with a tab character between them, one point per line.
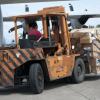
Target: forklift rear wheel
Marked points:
78	74
36	78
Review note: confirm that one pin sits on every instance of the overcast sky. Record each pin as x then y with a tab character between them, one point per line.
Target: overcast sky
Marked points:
79	6
93	6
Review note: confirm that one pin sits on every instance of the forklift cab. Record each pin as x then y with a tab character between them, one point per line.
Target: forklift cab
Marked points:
45	41
55	33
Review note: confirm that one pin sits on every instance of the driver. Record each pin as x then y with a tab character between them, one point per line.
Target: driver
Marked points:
33	31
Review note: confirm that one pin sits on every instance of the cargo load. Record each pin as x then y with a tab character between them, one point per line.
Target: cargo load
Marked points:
89	39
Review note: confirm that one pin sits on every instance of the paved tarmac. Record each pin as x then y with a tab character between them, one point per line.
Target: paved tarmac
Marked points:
58	90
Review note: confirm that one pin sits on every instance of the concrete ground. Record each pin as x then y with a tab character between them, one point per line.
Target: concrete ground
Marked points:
58	90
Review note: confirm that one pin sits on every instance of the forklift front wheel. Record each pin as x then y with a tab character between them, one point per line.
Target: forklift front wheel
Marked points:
36	78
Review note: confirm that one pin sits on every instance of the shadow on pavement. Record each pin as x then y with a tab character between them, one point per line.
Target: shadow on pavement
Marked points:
51	85
92	77
26	90
20	90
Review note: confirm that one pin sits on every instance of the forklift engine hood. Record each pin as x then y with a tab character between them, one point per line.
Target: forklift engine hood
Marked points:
11	59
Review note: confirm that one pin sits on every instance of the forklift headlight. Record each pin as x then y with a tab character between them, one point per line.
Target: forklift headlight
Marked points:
73	47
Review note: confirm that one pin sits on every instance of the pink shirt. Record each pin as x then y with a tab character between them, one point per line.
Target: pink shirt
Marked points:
34	32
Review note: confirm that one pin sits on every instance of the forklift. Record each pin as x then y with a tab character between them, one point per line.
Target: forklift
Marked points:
50	58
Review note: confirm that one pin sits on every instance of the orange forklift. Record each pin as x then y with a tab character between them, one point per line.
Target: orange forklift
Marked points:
50	58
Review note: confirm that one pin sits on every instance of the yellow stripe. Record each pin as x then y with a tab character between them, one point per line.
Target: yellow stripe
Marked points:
7	70
14	59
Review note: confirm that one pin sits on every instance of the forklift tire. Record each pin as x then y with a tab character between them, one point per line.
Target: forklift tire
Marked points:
78	74
36	78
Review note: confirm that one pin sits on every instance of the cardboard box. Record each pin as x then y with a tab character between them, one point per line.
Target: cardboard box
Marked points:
84	37
96	48
85	40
